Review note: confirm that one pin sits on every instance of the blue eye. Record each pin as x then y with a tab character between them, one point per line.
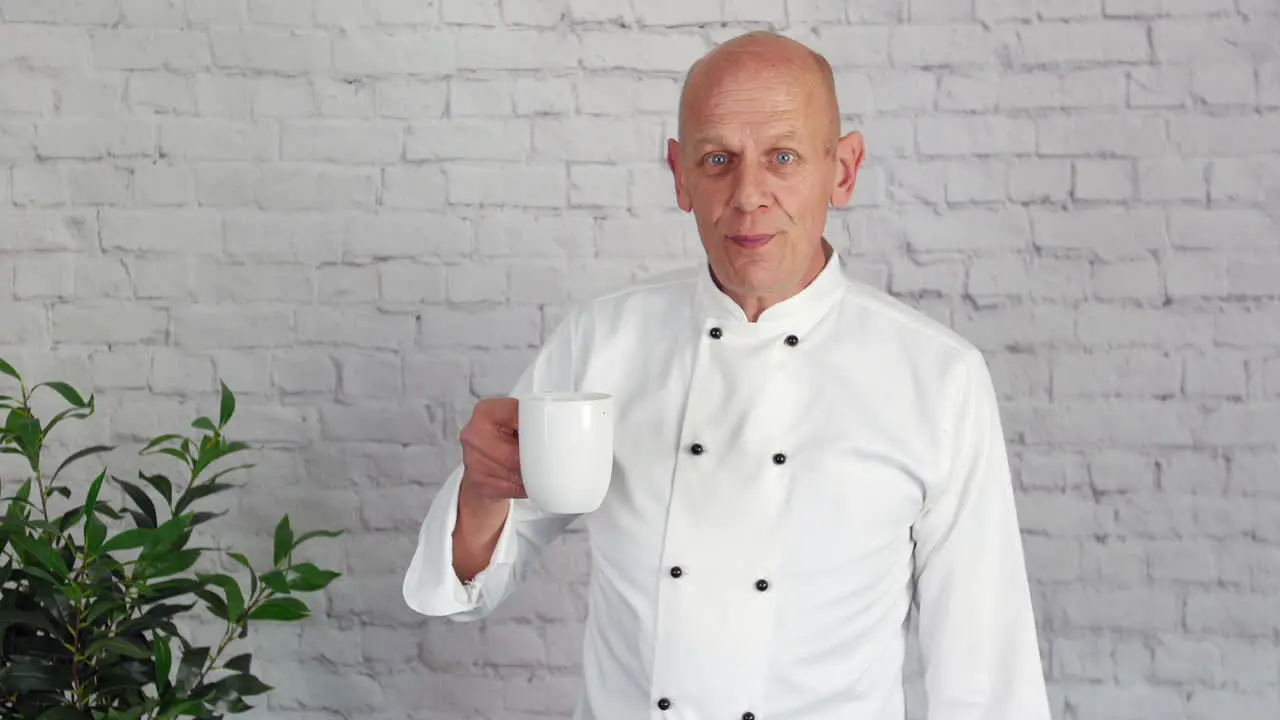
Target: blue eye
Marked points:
785	157
717	159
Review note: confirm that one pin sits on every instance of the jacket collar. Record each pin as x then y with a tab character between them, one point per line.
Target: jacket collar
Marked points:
800	311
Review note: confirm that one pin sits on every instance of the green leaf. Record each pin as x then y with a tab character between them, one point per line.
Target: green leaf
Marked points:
276	581
239	663
175	453
196	492
103	607
172	563
120	646
215	604
134	713
193	660
204	423
157	441
204	517
283	540
194	708
29	676
141	500
62	713
26	618
67	392
44	554
309	578
7	369
75	413
161	484
228	405
163	660
167	535
133	538
231	588
94	533
281	608
80	454
253	574
91	502
314	534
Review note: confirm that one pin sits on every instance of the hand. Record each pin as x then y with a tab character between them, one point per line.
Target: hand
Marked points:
491	453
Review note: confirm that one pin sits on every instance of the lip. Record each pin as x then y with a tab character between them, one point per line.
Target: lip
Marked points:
751	241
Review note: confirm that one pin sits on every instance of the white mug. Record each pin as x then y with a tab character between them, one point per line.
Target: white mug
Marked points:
566	449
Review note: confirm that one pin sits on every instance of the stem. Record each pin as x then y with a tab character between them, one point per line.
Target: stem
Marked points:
76	689
233	628
35	463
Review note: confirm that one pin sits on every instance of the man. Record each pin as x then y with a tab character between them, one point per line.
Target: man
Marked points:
799	458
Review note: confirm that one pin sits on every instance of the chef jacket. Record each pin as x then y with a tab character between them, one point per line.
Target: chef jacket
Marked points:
783	492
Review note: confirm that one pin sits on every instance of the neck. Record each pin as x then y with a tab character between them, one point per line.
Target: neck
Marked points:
754	306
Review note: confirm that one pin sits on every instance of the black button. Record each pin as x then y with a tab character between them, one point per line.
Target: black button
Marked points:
664	704
792	340
696	448
748	716
779	458
762	585
715	333
676	572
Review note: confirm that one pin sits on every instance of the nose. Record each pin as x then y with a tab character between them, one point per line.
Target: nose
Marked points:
750	191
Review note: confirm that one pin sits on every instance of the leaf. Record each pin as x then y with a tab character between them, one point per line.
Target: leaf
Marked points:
175	453
239	663
193	660
316	533
94	533
195	708
44	554
7	369
91	501
215	604
231	588
228	405
67	392
163	660
62	712
276	581
81	454
171	563
161	484
135	537
29	676
203	517
196	492
283	540
75	413
26	618
134	713
140	499
204	423
309	578
155	617
157	441
281	608
253	575
103	607
120	646
166	535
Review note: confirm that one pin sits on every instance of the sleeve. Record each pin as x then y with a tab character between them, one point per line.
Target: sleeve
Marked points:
431	587
976	625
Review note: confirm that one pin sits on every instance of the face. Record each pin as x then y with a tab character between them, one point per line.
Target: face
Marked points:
758	167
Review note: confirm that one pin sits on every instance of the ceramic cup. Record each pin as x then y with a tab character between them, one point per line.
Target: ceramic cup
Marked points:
566	449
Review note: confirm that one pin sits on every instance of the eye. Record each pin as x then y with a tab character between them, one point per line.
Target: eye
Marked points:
784	157
717	160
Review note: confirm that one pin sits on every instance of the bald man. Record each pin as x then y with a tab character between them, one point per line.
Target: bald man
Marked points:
800	460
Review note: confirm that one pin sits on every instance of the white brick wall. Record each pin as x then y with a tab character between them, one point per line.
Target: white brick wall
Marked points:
364	214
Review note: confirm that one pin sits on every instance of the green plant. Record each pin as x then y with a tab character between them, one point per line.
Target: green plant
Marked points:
87	612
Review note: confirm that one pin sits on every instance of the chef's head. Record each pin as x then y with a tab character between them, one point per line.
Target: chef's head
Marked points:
759	160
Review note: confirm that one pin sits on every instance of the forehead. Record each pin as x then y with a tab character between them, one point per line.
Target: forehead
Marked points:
759	105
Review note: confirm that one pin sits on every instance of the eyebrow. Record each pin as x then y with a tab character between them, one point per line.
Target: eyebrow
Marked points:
789	135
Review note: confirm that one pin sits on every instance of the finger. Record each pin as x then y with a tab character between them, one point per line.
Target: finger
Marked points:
482	466
502	453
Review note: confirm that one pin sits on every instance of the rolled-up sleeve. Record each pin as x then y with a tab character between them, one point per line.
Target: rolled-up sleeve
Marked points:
977	630
431	585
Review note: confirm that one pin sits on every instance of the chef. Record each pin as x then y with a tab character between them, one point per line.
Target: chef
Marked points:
800	460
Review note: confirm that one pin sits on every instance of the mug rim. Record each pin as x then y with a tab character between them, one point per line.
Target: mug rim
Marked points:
563	396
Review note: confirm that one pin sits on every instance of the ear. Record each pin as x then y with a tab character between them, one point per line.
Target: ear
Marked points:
673	162
849	154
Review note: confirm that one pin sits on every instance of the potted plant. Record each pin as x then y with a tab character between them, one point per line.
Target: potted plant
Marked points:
89	593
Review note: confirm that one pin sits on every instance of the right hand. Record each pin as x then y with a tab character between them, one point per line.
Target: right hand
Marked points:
491	454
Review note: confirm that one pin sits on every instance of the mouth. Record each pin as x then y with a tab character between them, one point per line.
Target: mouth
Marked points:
751	241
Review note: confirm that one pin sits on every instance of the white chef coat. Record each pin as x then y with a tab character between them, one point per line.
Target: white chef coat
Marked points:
782	491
